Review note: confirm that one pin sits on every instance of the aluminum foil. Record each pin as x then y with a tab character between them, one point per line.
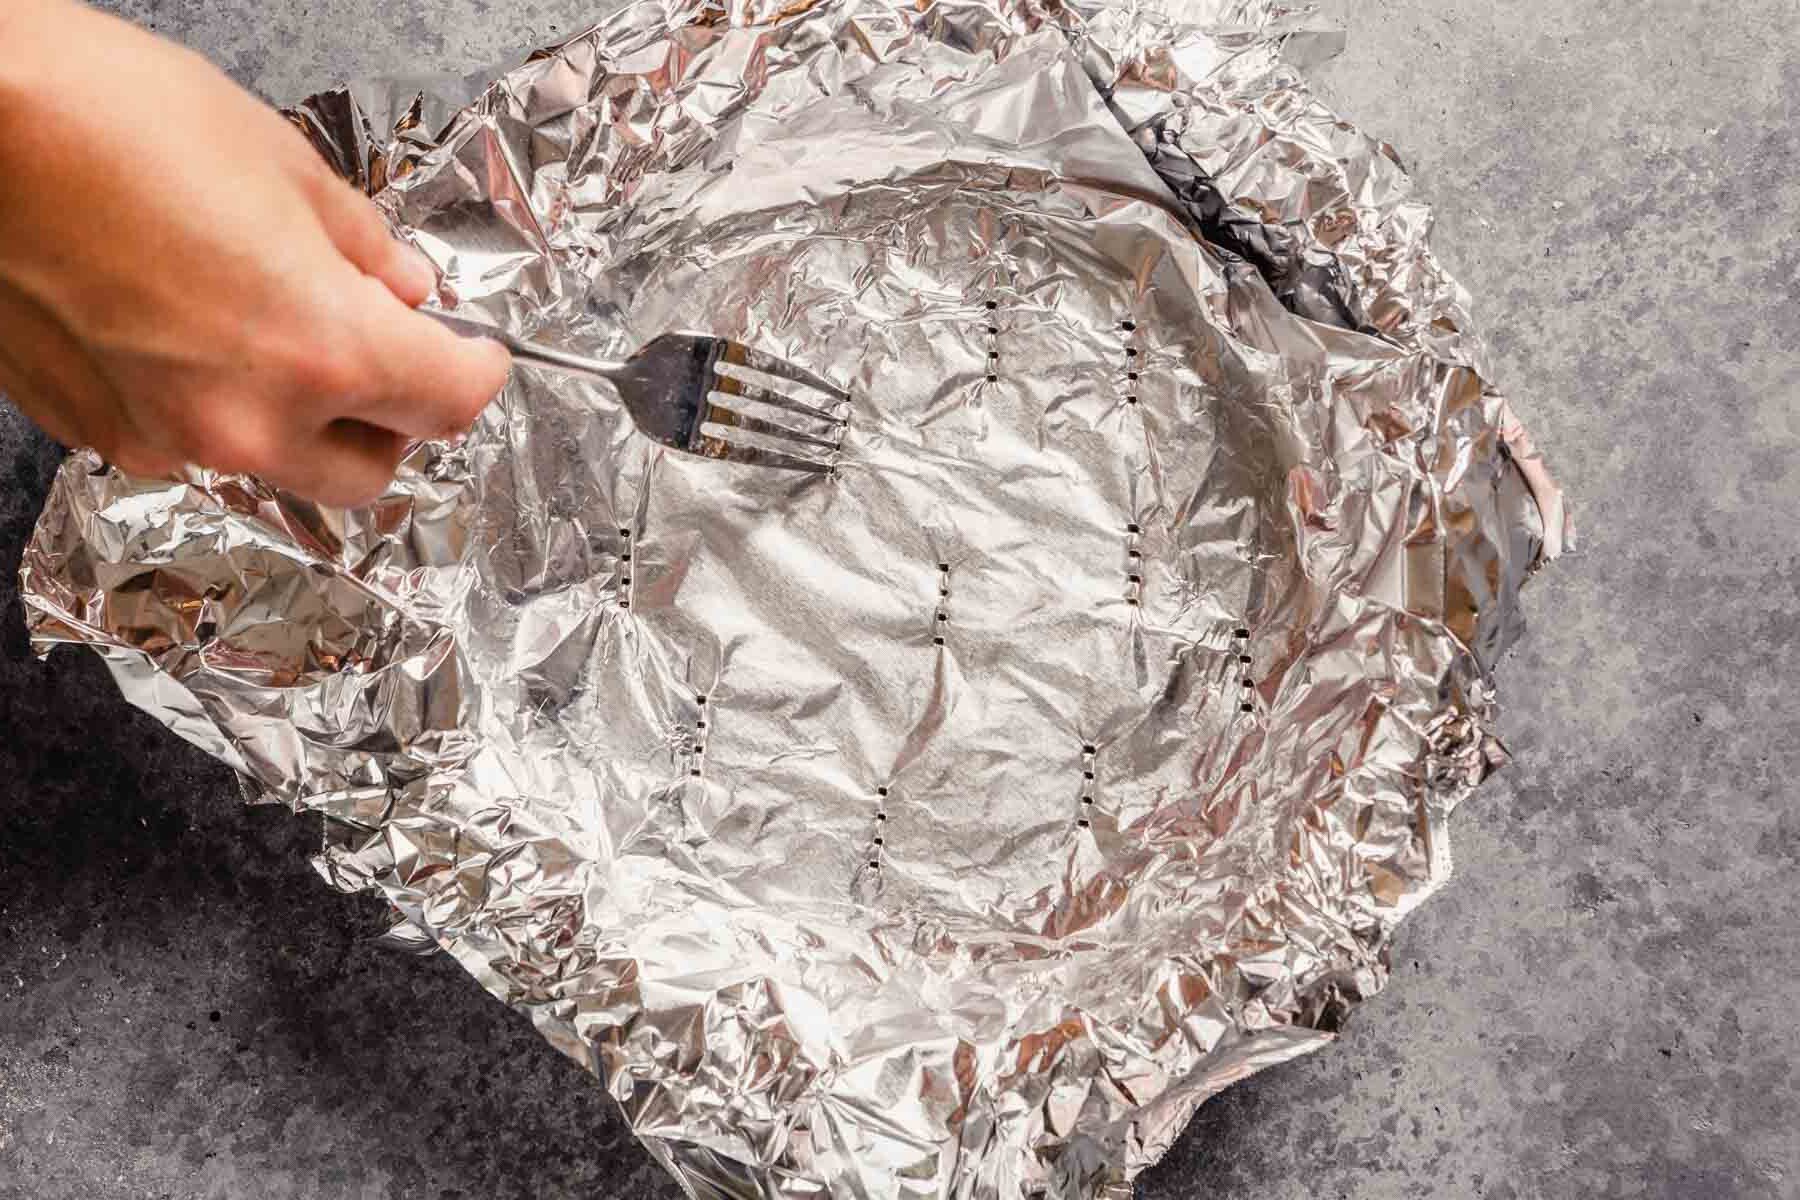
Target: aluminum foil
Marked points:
951	826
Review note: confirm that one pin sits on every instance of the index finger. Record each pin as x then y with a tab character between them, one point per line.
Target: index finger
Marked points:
423	380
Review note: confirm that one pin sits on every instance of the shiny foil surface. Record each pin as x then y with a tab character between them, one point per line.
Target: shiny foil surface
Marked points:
954	824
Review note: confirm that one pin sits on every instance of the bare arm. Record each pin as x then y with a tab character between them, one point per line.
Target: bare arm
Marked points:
183	280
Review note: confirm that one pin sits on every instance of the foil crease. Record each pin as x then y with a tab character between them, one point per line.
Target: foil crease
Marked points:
952	826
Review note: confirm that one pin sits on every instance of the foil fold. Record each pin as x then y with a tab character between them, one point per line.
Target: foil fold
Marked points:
955	825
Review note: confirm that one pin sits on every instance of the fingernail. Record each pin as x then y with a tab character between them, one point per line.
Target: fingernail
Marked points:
422	270
502	354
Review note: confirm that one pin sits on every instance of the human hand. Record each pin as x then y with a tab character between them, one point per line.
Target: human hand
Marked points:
183	280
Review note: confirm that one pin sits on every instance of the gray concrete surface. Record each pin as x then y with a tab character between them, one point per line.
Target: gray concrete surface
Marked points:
1601	1004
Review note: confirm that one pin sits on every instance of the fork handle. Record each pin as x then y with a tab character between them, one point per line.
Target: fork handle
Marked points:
533	353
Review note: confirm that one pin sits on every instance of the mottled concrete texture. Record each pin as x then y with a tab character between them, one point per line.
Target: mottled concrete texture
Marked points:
1600	1005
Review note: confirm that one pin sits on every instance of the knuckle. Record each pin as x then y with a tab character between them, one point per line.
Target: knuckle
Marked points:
237	447
324	369
314	172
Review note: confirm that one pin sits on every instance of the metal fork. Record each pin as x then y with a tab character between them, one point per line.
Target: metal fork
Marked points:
705	395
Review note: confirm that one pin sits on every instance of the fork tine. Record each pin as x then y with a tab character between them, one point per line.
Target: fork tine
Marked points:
733	419
777	390
751	456
730	407
778	406
734	443
741	358
735	379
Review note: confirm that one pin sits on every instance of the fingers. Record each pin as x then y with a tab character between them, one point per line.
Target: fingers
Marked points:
333	424
358	230
422	379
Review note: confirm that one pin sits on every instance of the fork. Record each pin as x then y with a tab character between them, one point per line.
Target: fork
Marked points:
704	395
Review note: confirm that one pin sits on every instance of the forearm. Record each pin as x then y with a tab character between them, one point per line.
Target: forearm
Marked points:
26	32
63	69
52	52
33	34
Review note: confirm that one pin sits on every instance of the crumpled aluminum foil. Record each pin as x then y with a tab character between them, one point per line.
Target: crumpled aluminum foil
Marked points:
954	825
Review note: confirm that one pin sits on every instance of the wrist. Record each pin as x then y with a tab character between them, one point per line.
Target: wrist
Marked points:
26	41
18	14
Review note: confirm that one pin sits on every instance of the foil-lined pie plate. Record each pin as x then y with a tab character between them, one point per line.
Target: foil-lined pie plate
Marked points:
954	823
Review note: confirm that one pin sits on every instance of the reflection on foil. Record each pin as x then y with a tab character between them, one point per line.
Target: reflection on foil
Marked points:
953	826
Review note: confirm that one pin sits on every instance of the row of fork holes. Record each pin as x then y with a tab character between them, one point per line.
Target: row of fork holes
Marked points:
1134	565
1240	640
940	617
993	341
1128	327
1088	754
1134	557
699	759
625	569
876	851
